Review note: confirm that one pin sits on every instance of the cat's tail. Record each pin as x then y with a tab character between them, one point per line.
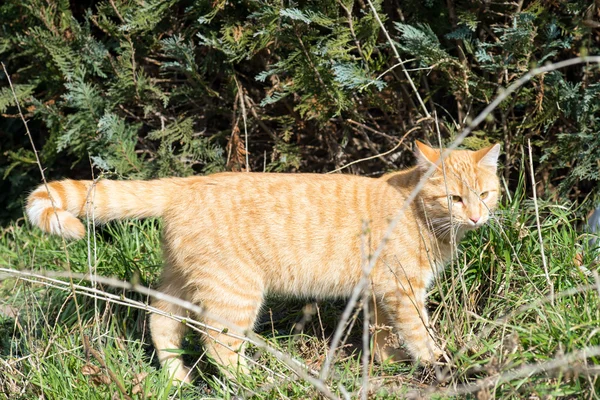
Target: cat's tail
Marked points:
57	206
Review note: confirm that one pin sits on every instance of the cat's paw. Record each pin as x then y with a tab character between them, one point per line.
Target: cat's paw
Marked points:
182	375
431	355
391	354
438	354
182	380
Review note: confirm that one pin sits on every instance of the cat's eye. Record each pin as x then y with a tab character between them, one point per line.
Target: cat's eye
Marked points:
456	199
484	195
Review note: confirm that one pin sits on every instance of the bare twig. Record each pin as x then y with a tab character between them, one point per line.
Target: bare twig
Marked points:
364	246
400	61
525	371
391	69
252	107
353	33
294	365
376	155
52	201
537	219
375	131
366	357
242	97
113	377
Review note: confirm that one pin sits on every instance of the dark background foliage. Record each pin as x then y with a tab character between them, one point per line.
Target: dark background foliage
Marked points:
140	89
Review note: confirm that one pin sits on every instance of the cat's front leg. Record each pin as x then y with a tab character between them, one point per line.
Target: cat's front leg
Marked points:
408	316
386	342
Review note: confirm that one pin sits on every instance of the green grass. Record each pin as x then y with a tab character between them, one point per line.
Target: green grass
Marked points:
490	309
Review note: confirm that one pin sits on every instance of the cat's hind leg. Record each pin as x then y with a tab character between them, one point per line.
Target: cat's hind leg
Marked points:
231	303
167	335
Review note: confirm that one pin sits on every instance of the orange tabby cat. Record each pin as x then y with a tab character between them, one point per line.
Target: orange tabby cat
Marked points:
232	238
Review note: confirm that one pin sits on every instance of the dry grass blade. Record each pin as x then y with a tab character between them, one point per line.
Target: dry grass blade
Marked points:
356	293
360	292
114	378
524	372
52	200
294	365
242	97
538	224
400	61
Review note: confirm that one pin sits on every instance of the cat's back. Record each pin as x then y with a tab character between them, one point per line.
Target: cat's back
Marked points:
273	191
287	201
263	180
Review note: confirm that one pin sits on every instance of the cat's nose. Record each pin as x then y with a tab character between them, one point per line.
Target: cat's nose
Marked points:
475	218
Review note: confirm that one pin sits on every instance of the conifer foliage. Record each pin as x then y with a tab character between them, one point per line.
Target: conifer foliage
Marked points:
175	87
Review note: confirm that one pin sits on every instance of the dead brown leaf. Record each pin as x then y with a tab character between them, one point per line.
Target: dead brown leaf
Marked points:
90	369
101	379
136	389
137	382
95	374
9	311
237	152
139	378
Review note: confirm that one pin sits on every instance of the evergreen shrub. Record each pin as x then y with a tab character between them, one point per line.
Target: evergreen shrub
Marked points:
141	89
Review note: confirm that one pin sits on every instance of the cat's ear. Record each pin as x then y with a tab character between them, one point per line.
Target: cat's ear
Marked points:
488	156
426	155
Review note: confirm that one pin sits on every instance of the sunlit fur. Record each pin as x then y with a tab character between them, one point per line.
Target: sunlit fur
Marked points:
232	238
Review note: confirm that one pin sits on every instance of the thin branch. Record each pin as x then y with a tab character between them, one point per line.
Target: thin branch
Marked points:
242	97
385	135
364	246
525	371
376	155
391	69
400	61
353	33
539	228
233	330
252	106
52	201
416	190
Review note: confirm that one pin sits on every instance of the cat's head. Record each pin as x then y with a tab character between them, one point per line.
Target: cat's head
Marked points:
463	190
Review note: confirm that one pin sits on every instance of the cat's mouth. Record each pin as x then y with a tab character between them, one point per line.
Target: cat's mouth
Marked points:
470	225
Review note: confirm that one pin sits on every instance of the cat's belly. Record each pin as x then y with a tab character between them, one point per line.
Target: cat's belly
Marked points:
323	280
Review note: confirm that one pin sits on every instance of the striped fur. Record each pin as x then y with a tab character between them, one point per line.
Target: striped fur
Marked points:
232	238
